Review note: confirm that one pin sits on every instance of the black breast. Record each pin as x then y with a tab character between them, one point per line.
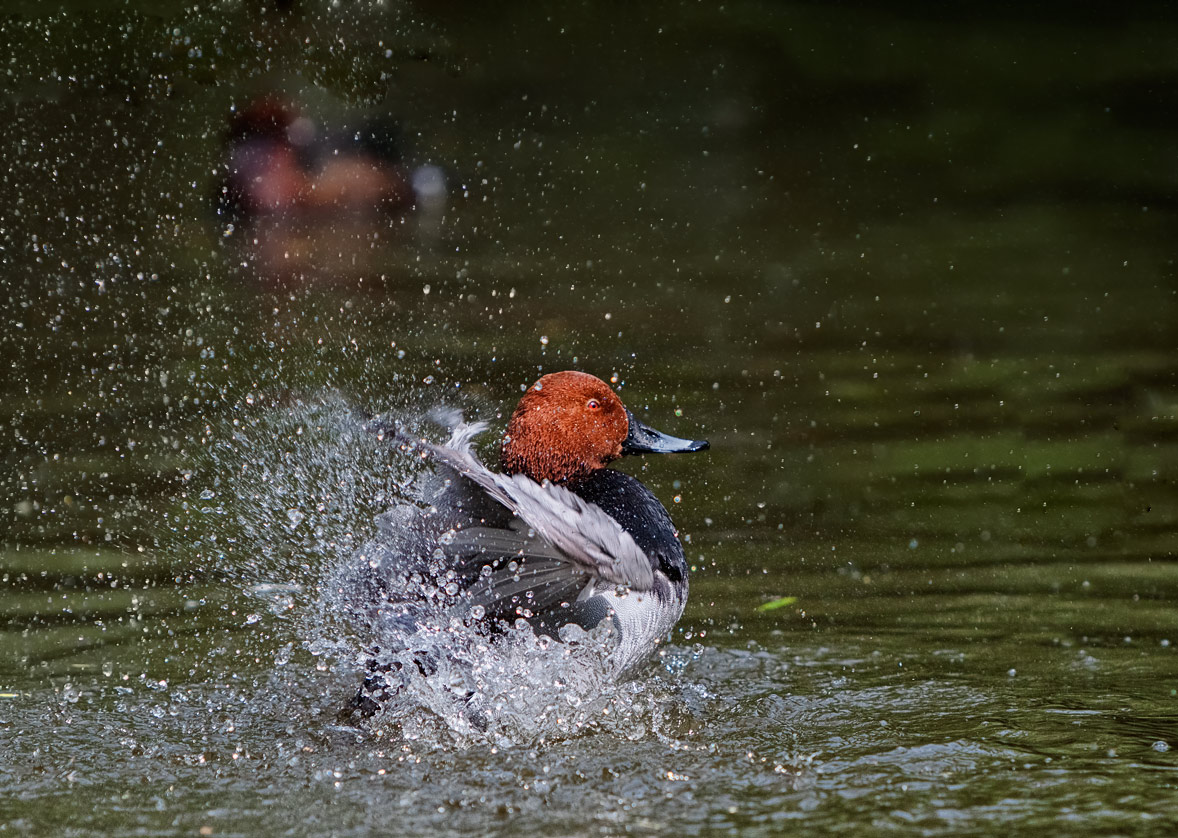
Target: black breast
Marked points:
639	512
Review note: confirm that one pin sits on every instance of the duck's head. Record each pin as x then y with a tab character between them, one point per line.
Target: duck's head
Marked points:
569	424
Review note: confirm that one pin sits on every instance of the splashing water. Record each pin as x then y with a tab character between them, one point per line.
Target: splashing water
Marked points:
457	683
290	489
314	515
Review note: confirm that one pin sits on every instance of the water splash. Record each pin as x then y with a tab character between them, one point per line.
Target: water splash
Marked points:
456	683
281	492
308	515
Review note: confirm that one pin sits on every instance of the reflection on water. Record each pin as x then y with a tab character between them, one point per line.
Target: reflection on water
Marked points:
911	274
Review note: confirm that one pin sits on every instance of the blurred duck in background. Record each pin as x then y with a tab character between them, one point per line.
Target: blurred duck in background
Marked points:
288	180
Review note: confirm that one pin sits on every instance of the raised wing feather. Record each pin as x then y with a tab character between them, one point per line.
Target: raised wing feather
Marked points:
584	538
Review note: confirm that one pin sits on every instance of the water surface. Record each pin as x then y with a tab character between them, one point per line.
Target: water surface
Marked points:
911	272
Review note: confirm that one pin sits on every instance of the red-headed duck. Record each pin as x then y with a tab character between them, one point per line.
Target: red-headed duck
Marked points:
554	538
277	165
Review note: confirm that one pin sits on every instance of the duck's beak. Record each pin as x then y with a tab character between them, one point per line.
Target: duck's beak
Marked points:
644	440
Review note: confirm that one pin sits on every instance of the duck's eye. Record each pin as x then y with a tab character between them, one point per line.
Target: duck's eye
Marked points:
593	404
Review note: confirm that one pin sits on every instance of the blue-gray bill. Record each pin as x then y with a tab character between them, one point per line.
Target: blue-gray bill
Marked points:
643	439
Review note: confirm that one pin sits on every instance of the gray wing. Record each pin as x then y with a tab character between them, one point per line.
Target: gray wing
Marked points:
510	569
560	535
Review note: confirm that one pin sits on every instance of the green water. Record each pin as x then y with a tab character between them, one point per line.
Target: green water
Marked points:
912	272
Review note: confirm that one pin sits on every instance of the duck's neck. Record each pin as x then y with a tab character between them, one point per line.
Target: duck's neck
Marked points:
540	463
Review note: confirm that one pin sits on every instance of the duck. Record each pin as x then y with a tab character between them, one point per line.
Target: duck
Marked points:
280	164
554	538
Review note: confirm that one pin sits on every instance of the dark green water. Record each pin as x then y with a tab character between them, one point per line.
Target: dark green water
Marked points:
912	273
